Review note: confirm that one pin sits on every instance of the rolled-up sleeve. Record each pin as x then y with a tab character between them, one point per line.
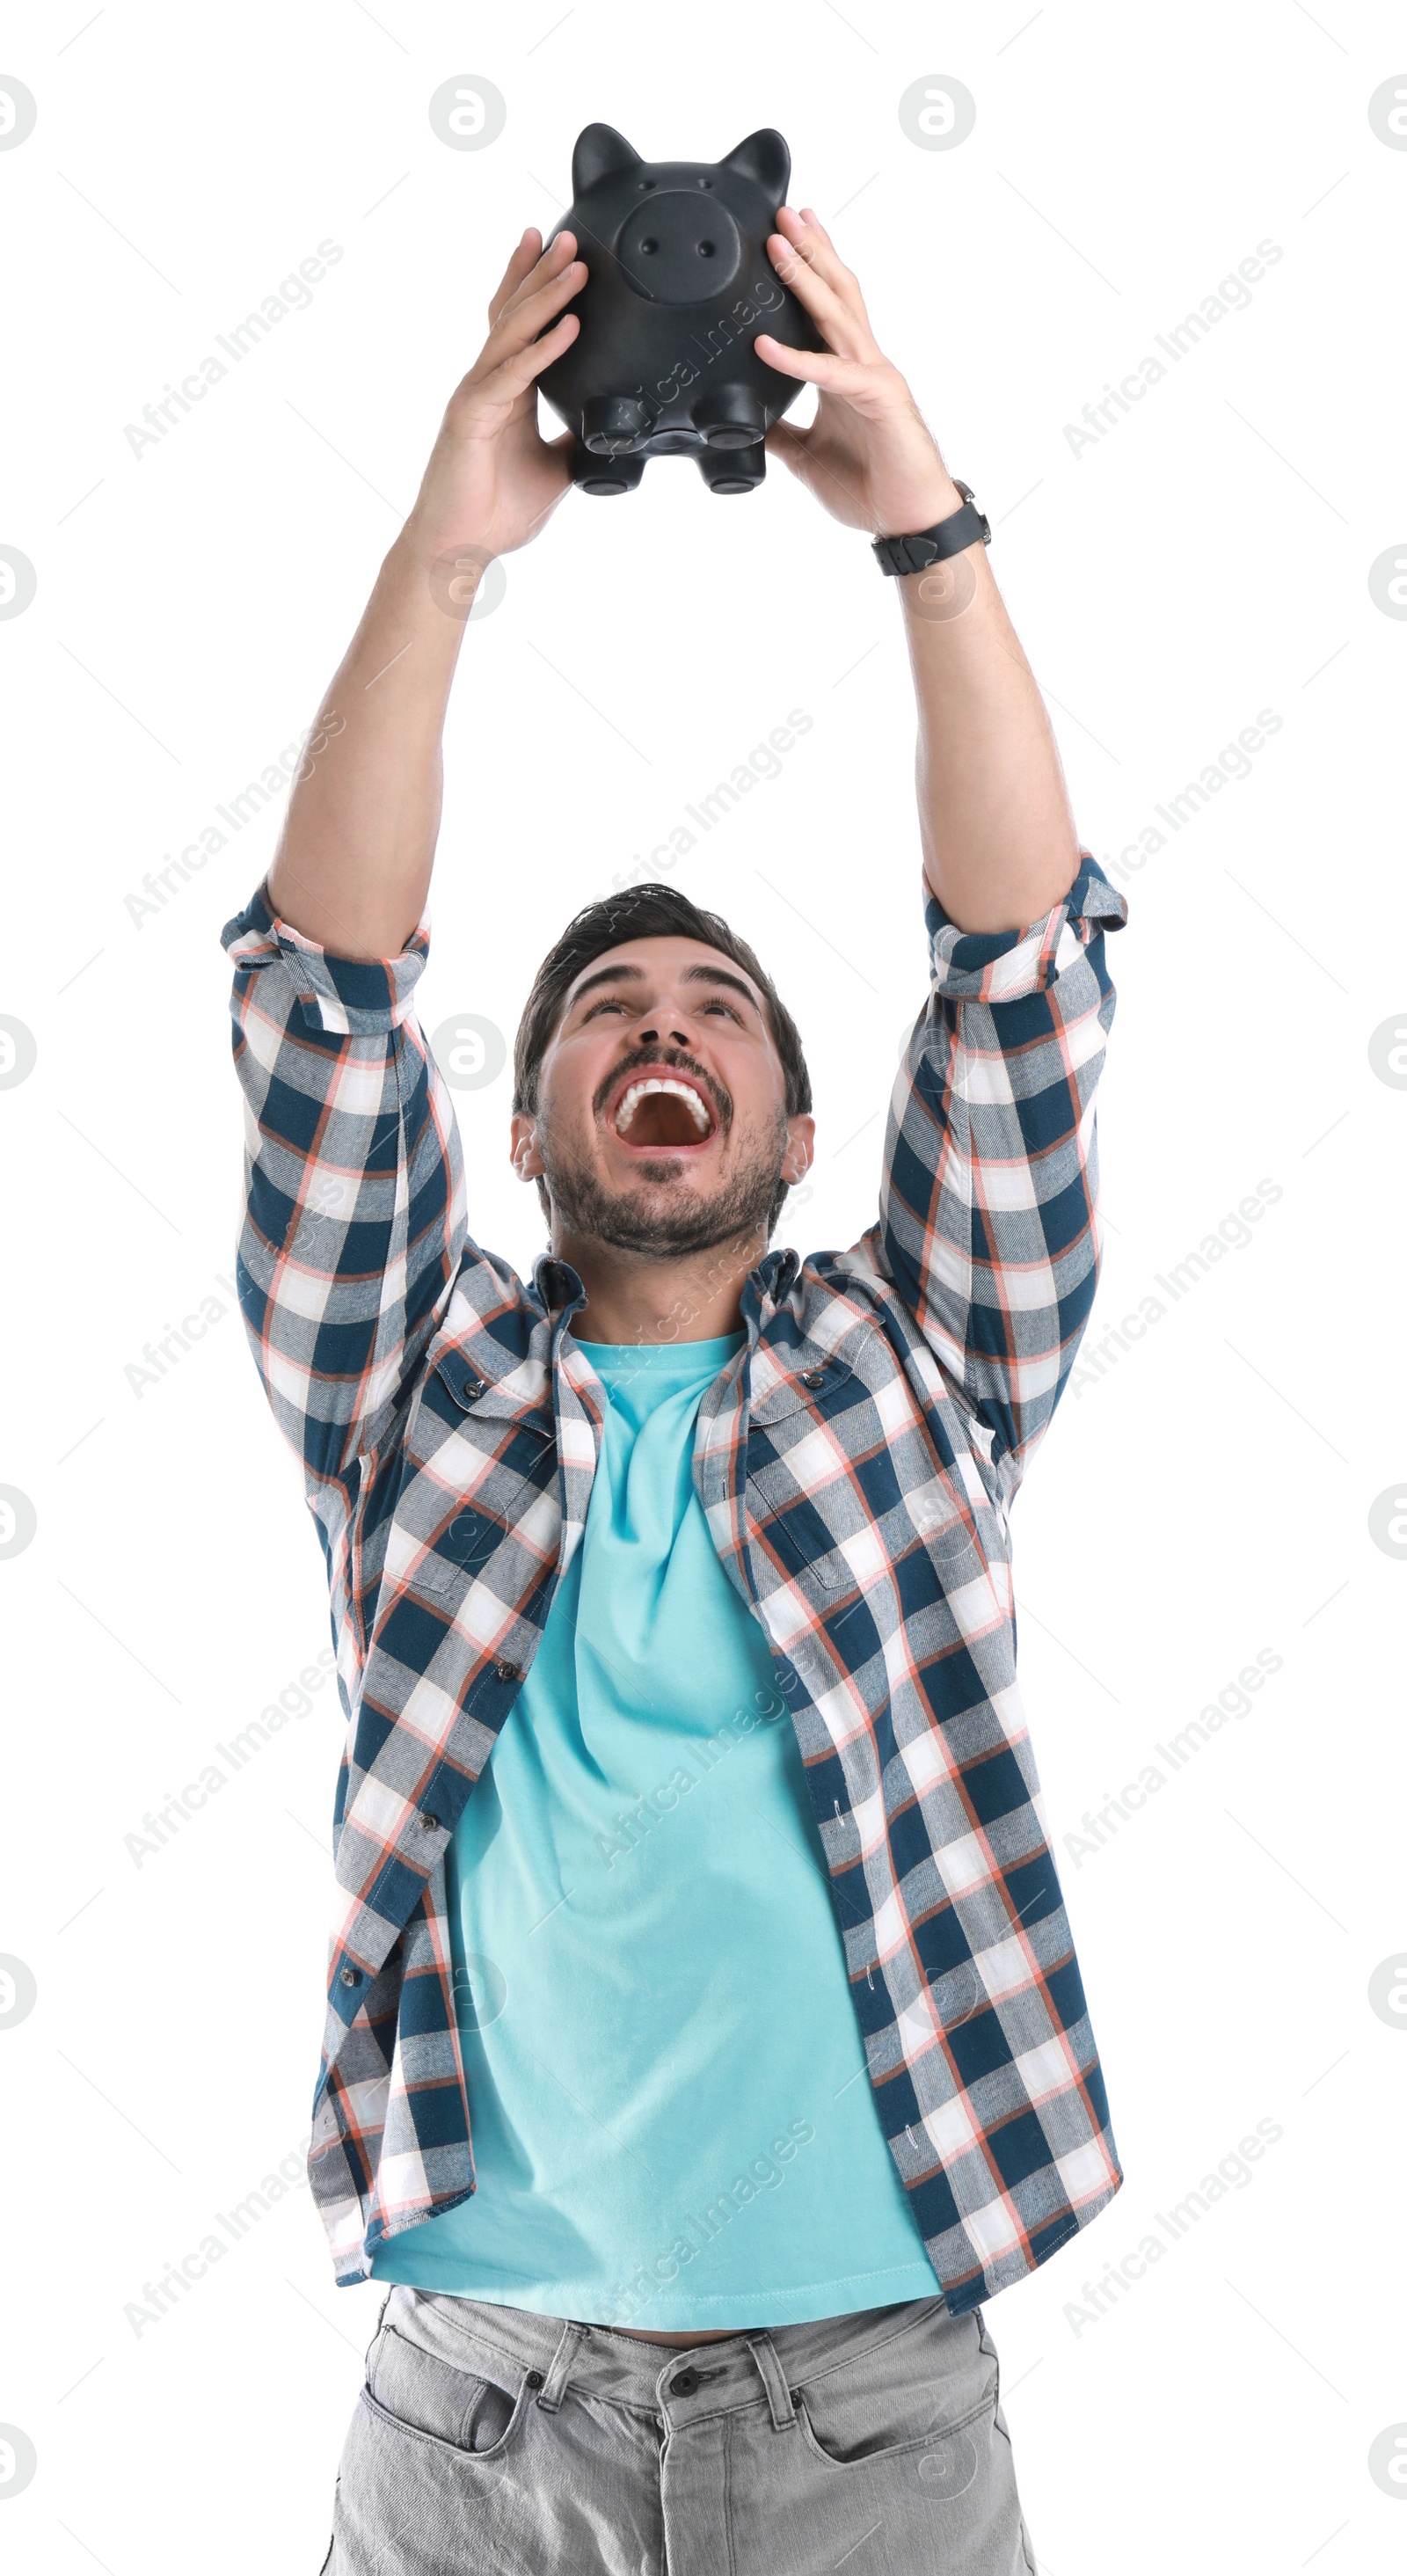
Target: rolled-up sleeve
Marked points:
988	1203
353	1217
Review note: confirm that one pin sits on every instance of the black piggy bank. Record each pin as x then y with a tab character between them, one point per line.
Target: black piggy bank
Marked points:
679	283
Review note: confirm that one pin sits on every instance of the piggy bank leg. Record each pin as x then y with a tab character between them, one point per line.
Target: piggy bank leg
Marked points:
612	424
729	416
605	473
733	469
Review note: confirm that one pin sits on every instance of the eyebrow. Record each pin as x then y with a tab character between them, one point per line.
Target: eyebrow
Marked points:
690	975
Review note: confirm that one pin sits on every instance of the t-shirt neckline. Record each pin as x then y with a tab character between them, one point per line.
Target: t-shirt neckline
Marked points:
711	1353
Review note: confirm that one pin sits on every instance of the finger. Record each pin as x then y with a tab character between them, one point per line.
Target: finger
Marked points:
514	373
796	451
556	448
560	252
524	317
808	234
525	257
805	462
788	443
814	224
846	330
822	367
810	240
811	244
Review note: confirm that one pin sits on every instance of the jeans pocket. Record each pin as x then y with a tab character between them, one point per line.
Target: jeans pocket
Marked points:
434	2400
916	2391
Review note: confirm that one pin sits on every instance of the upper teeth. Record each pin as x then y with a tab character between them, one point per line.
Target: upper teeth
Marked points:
680	1090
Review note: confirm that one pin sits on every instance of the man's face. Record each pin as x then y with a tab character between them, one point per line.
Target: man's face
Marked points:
661	1125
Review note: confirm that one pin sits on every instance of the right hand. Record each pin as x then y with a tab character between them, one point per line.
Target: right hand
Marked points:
493	481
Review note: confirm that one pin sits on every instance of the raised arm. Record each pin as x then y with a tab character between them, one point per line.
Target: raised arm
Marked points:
999	840
354	1219
352	868
987	1223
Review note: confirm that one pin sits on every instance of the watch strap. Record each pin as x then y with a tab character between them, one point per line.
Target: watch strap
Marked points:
951	536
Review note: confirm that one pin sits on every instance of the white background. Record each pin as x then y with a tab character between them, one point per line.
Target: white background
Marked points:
1208	1497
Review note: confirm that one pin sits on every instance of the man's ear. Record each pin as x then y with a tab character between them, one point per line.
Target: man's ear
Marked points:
523	1148
801	1149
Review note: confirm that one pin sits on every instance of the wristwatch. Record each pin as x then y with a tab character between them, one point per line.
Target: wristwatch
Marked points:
914	554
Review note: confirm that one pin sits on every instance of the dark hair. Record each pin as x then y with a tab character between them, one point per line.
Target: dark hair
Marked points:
646	912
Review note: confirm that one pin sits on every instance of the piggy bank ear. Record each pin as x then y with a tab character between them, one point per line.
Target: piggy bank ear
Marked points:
764	157
600	153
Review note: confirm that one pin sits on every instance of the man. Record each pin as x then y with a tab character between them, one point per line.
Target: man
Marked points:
687	1832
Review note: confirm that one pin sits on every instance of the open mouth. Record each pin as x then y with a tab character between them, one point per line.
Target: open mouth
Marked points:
662	1110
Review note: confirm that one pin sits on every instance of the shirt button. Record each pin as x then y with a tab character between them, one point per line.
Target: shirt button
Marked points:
684	2383
351	1976
506	1672
813	1377
535	2379
429	1824
473	1389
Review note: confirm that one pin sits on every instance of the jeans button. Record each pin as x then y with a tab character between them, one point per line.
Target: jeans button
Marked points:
534	2379
684	2383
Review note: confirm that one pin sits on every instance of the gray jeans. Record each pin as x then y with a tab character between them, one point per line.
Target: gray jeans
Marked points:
489	2439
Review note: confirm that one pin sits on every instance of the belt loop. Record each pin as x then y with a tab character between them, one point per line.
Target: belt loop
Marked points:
764	2353
554	2387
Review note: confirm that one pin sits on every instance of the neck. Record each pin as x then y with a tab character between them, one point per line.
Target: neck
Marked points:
629	1299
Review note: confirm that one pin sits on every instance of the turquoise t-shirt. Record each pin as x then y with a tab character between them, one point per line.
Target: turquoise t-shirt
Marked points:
673	2125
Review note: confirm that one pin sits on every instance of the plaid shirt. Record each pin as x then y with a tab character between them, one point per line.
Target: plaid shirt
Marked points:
856	1459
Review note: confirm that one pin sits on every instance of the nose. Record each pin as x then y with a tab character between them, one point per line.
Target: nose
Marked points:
651	1036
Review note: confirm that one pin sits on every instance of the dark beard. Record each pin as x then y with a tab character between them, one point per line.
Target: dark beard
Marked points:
691	1223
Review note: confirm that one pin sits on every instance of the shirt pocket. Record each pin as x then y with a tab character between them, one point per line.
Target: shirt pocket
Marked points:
829	1475
476	1465
792	1524
797	1444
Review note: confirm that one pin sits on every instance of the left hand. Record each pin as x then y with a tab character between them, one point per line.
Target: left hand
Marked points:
868	456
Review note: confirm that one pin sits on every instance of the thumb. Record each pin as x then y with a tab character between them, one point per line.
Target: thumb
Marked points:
787	443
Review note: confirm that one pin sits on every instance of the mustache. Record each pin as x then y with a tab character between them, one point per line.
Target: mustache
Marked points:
674	1060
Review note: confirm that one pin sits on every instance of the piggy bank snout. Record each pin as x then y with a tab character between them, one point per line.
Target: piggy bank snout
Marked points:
681	246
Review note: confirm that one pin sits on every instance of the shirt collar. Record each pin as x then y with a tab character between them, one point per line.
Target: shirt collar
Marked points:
558	1288
764	1290
560	1292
